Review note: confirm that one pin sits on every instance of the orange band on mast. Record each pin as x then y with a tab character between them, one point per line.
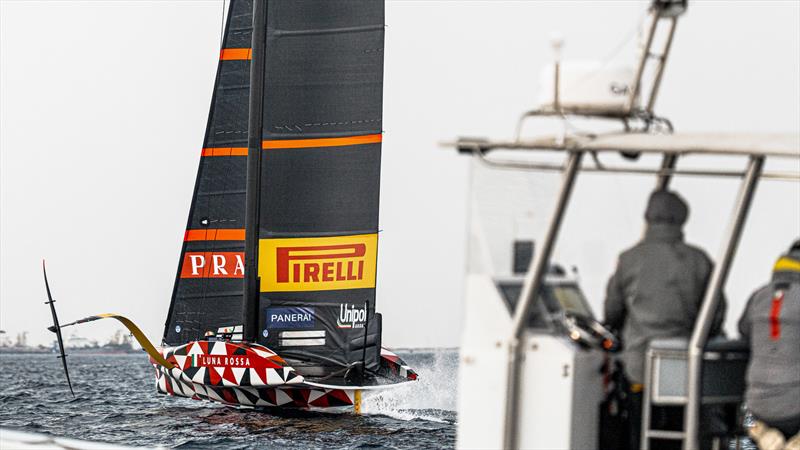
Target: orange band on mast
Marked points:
213	234
234	54
225	151
322	142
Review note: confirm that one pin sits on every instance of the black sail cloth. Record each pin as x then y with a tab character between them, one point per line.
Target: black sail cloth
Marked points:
209	283
320	175
319	193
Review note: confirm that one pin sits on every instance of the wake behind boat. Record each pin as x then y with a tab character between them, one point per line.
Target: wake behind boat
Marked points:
274	298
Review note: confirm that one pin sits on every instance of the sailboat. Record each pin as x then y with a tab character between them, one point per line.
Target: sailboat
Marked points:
274	296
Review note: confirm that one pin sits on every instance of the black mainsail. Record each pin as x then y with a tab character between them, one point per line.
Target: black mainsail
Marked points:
316	208
320	179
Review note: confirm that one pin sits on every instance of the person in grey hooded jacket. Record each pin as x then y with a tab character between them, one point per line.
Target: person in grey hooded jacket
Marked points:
656	292
659	284
771	325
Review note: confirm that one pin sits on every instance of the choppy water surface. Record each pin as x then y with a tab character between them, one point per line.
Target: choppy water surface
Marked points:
117	402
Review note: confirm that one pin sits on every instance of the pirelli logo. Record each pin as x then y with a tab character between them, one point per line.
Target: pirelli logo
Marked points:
317	264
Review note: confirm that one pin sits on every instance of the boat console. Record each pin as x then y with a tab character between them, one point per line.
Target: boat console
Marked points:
562	310
563	344
562	366
565	350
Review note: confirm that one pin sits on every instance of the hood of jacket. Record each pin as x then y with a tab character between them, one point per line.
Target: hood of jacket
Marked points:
666	207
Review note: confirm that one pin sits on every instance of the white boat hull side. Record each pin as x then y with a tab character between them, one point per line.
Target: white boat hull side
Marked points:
560	394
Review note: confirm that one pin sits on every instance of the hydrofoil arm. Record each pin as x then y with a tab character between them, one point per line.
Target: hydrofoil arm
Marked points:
137	333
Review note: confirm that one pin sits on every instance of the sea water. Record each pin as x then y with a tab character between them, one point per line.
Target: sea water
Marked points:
116	402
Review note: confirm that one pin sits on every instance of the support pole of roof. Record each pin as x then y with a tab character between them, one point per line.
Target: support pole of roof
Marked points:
531	284
665	176
702	325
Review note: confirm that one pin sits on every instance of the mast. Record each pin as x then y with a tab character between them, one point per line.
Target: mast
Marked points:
252	197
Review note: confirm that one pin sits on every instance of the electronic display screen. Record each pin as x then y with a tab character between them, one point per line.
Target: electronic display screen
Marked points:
570	299
558	298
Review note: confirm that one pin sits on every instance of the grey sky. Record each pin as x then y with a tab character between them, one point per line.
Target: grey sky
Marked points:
104	104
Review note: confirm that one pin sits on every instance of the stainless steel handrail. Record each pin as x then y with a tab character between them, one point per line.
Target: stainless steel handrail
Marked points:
702	326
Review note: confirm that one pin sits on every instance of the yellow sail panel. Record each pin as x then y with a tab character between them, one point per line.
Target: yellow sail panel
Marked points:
318	264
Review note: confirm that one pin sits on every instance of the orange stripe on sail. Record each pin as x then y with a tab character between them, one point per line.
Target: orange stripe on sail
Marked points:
213	234
322	142
225	151
233	54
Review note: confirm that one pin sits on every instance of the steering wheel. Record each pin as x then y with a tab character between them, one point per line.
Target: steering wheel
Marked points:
589	333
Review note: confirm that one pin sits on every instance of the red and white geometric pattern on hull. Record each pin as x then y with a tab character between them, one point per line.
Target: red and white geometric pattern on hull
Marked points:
245	374
174	382
396	365
223	363
240	374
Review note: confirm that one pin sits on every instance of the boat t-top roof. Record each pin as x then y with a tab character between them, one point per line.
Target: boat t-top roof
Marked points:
670	146
738	144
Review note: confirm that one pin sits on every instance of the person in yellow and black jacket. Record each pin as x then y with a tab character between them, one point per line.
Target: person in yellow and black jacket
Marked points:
771	325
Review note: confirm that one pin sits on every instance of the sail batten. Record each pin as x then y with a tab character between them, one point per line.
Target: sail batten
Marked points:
225	151
322	142
318	31
275	234
214	234
232	54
